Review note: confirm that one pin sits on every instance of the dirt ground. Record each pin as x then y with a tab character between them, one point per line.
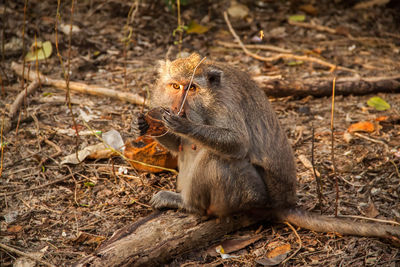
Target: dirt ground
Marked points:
66	220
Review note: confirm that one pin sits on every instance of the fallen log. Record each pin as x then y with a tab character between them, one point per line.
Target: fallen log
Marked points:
159	237
79	87
323	86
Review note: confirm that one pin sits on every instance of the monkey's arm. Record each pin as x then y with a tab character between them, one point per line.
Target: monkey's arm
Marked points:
169	141
221	140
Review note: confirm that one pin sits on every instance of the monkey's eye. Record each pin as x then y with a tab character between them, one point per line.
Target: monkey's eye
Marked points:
175	86
192	87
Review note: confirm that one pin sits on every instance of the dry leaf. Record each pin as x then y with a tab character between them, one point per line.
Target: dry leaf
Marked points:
99	151
237	10
307	163
233	245
347	137
310	9
370	210
370	3
89	239
146	150
362	126
284	249
272	261
14	229
382	118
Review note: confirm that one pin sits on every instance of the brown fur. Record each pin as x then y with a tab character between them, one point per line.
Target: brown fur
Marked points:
242	160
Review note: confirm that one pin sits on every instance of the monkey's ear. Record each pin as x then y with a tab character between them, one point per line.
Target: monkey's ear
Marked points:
163	66
214	77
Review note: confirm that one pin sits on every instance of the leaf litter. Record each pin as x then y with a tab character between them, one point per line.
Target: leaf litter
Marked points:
53	217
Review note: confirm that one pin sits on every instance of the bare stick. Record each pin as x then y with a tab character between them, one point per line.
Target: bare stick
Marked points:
1	143
81	87
131	15
317	177
22	71
369	219
20	98
7	123
178	3
280	56
67	82
189	85
313	26
18	252
255	46
332	147
299	241
37	187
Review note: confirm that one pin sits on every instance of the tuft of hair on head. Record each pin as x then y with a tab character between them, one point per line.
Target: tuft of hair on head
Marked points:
185	66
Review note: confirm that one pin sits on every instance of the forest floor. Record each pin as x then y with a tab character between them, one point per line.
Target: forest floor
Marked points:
64	221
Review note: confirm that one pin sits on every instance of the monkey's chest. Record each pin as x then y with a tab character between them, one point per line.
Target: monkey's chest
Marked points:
190	158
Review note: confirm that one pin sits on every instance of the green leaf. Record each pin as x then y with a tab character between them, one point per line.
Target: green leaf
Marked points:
295	63
378	103
194	27
42	51
2	145
89	184
297	18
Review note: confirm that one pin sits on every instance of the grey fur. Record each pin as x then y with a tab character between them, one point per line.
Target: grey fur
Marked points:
243	160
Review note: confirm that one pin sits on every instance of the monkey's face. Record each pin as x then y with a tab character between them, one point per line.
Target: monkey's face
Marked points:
180	94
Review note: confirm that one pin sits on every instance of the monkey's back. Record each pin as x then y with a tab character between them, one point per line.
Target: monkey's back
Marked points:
270	151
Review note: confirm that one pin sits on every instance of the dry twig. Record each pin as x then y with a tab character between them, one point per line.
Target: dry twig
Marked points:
299	241
256	46
23	254
369	219
20	98
333	147
282	56
37	187
317	177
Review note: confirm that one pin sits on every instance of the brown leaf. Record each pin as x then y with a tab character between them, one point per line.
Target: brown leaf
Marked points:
362	126
14	229
284	249
88	239
272	261
370	210
146	150
309	9
233	245
382	118
105	153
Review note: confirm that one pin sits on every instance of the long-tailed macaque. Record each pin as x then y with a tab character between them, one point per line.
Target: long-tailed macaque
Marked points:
233	155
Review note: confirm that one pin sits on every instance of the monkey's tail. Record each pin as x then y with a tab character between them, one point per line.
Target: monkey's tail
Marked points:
321	223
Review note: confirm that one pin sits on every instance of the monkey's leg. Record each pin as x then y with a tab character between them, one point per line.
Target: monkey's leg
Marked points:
167	199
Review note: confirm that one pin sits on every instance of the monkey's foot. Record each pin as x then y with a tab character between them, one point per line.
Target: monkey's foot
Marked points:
166	199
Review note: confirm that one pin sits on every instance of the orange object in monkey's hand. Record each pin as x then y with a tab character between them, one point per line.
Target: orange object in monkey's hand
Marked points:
145	149
156	126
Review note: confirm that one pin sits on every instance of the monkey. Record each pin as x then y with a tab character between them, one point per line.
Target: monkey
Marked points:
233	154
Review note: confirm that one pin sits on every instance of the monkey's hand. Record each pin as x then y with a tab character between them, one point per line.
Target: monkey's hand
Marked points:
166	199
142	126
176	123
